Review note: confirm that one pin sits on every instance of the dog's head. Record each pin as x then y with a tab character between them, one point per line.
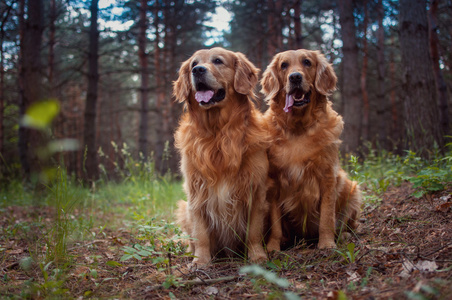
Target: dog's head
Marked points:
298	77
211	76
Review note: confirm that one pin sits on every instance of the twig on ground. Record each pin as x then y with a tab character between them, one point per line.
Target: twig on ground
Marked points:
197	281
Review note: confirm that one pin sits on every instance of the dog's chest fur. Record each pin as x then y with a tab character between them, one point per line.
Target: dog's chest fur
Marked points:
303	162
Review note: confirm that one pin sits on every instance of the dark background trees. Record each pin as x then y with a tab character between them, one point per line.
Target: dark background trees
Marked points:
394	69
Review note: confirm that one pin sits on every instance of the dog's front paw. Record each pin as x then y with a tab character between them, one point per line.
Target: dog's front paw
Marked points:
273	246
198	263
258	256
326	244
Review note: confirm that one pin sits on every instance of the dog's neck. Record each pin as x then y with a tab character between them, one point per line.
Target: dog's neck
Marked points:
298	121
215	119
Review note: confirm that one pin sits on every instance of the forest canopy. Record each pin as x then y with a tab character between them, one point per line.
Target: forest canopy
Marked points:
98	74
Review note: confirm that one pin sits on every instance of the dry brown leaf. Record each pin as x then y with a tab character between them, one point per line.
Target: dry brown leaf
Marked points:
444	207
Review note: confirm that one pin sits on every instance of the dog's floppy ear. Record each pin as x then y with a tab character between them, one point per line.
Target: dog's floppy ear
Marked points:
182	86
246	75
270	82
325	78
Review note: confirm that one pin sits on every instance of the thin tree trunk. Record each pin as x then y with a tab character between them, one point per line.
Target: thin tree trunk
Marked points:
353	105
91	167
143	132
2	78
30	85
271	34
52	15
420	99
440	83
365	128
278	25
392	96
297	25
381	87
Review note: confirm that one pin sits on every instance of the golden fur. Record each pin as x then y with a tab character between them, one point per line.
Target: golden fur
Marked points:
224	162
311	195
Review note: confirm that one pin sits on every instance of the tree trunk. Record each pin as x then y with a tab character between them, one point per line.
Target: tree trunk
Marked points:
52	15
144	89
30	84
351	79
382	103
440	83
365	128
271	34
395	132
2	78
92	167
297	25
420	99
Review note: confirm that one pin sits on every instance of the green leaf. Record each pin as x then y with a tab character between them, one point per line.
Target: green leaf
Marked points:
341	295
418	194
268	275
137	256
144	253
291	296
113	263
126	257
40	114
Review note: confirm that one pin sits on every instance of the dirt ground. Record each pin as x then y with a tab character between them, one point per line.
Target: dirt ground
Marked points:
403	251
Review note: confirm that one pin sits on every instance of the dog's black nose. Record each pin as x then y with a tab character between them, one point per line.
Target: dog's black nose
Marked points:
199	70
295	77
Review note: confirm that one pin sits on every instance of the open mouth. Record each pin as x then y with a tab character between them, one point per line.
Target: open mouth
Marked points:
297	98
207	96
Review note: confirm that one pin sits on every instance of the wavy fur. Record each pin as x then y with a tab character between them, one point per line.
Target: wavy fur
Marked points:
311	195
224	159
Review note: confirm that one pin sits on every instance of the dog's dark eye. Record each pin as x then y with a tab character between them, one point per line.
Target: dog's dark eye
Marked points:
307	62
284	65
217	61
194	64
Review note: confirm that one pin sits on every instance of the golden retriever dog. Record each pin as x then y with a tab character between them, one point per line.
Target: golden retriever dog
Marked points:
311	196
223	145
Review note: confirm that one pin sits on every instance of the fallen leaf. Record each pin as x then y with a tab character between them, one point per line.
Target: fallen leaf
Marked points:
17	251
444	207
211	290
352	276
426	266
407	267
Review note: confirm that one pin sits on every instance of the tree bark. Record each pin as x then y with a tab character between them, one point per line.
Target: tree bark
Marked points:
52	15
271	34
30	84
420	100
353	106
440	83
395	132
143	132
297	25
91	166
365	128
2	77
382	102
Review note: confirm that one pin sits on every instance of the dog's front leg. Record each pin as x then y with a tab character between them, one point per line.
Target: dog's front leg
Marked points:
259	210
327	224
274	241
201	240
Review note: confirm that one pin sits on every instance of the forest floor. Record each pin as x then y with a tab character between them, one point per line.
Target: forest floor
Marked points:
402	250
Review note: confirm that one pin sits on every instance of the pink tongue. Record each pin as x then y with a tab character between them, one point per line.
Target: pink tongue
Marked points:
204	96
289	103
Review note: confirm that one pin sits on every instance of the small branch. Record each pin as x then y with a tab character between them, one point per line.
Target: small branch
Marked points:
196	282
